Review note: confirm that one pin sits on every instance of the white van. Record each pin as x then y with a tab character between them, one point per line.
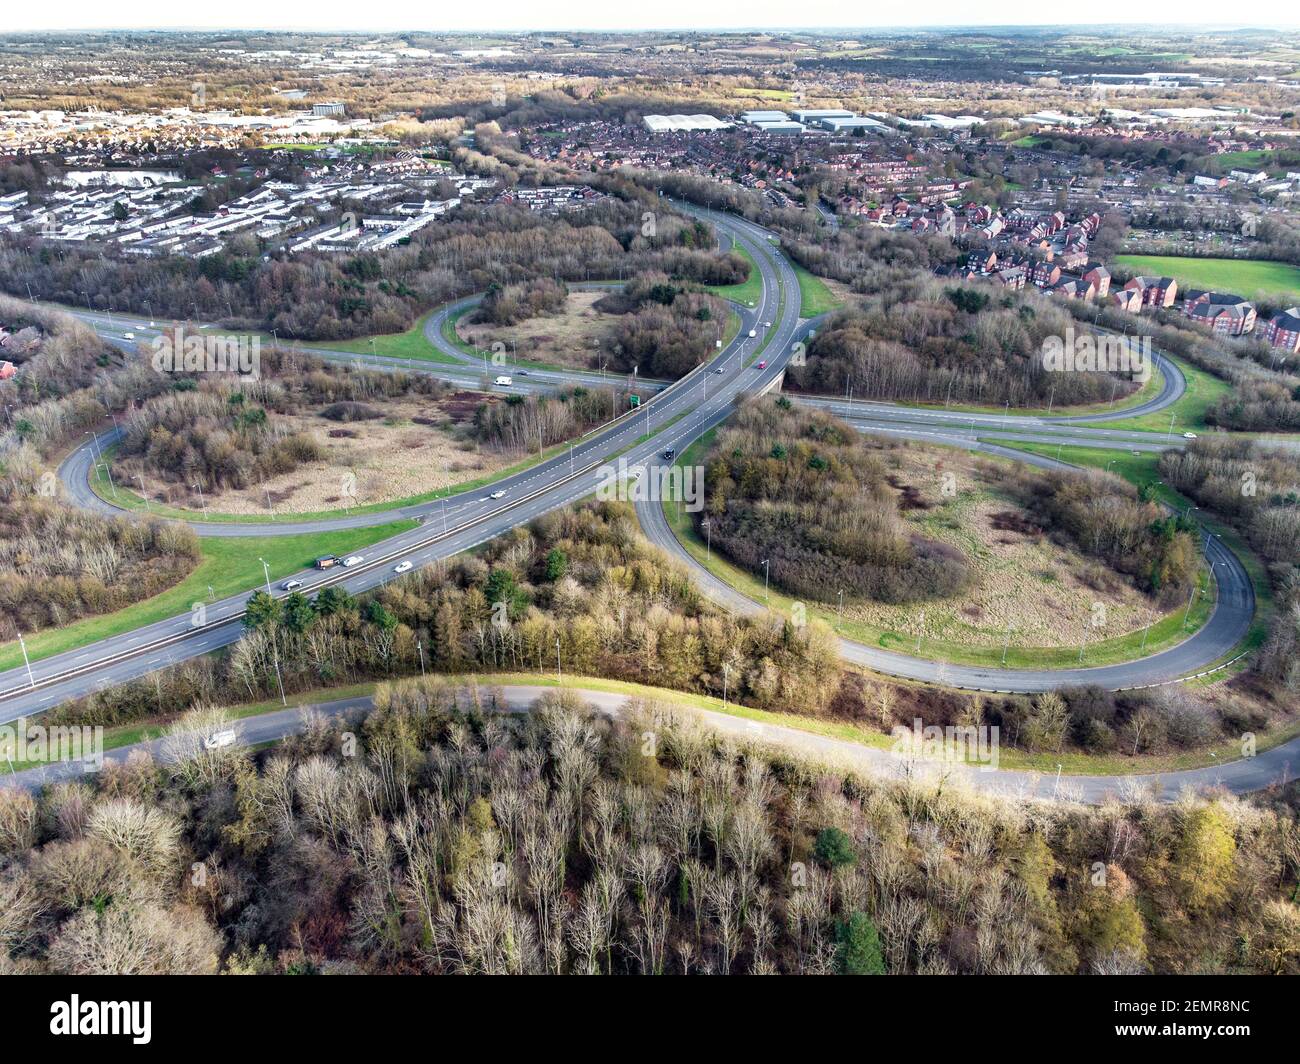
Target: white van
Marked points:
217	740
504	382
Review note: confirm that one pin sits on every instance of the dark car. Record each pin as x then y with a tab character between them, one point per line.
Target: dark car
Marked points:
668	454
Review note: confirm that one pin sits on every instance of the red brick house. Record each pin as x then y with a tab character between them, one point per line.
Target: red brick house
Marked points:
1283	330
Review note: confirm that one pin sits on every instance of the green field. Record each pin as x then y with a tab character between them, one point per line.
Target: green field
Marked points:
1257	159
228	567
748	292
1169	631
410	344
1251	278
814	297
1204	389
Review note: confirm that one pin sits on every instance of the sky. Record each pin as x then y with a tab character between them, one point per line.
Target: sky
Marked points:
386	15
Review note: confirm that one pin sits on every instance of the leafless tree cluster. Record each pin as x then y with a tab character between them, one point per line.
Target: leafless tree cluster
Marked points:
58	564
446	834
805	491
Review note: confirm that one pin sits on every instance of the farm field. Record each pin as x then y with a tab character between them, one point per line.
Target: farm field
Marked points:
1252	278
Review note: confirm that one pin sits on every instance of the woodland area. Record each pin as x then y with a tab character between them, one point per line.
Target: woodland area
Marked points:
534	422
444	837
325	297
1257	489
58	564
921	339
801	489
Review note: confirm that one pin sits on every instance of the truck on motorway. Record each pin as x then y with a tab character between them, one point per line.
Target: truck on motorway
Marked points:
326	561
504	381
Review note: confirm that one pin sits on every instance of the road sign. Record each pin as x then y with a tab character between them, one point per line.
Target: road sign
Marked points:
634	400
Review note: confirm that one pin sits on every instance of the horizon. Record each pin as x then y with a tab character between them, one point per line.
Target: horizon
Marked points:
675	16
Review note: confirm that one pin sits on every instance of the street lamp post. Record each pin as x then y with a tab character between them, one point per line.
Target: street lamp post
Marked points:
766	569
26	660
266	570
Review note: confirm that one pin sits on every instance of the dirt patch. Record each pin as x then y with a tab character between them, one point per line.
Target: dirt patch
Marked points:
417	447
576	337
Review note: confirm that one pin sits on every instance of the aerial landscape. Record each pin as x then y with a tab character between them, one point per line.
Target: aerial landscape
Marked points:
544	500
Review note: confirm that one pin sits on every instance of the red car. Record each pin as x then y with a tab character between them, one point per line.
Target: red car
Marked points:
763	364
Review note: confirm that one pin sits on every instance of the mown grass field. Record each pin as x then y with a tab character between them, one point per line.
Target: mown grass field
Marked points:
1204	389
1251	278
409	344
228	567
749	291
814	297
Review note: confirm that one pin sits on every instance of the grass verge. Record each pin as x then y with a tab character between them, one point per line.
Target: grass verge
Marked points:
1016	760
228	566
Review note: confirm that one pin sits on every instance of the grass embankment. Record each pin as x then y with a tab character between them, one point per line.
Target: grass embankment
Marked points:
749	291
411	344
1070	763
1251	278
1142	470
1169	631
228	567
814	296
1204	389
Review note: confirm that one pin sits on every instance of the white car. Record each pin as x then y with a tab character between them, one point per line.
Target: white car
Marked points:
403	567
504	381
1189	435
497	495
291	585
128	336
355	559
767	325
217	740
753	332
